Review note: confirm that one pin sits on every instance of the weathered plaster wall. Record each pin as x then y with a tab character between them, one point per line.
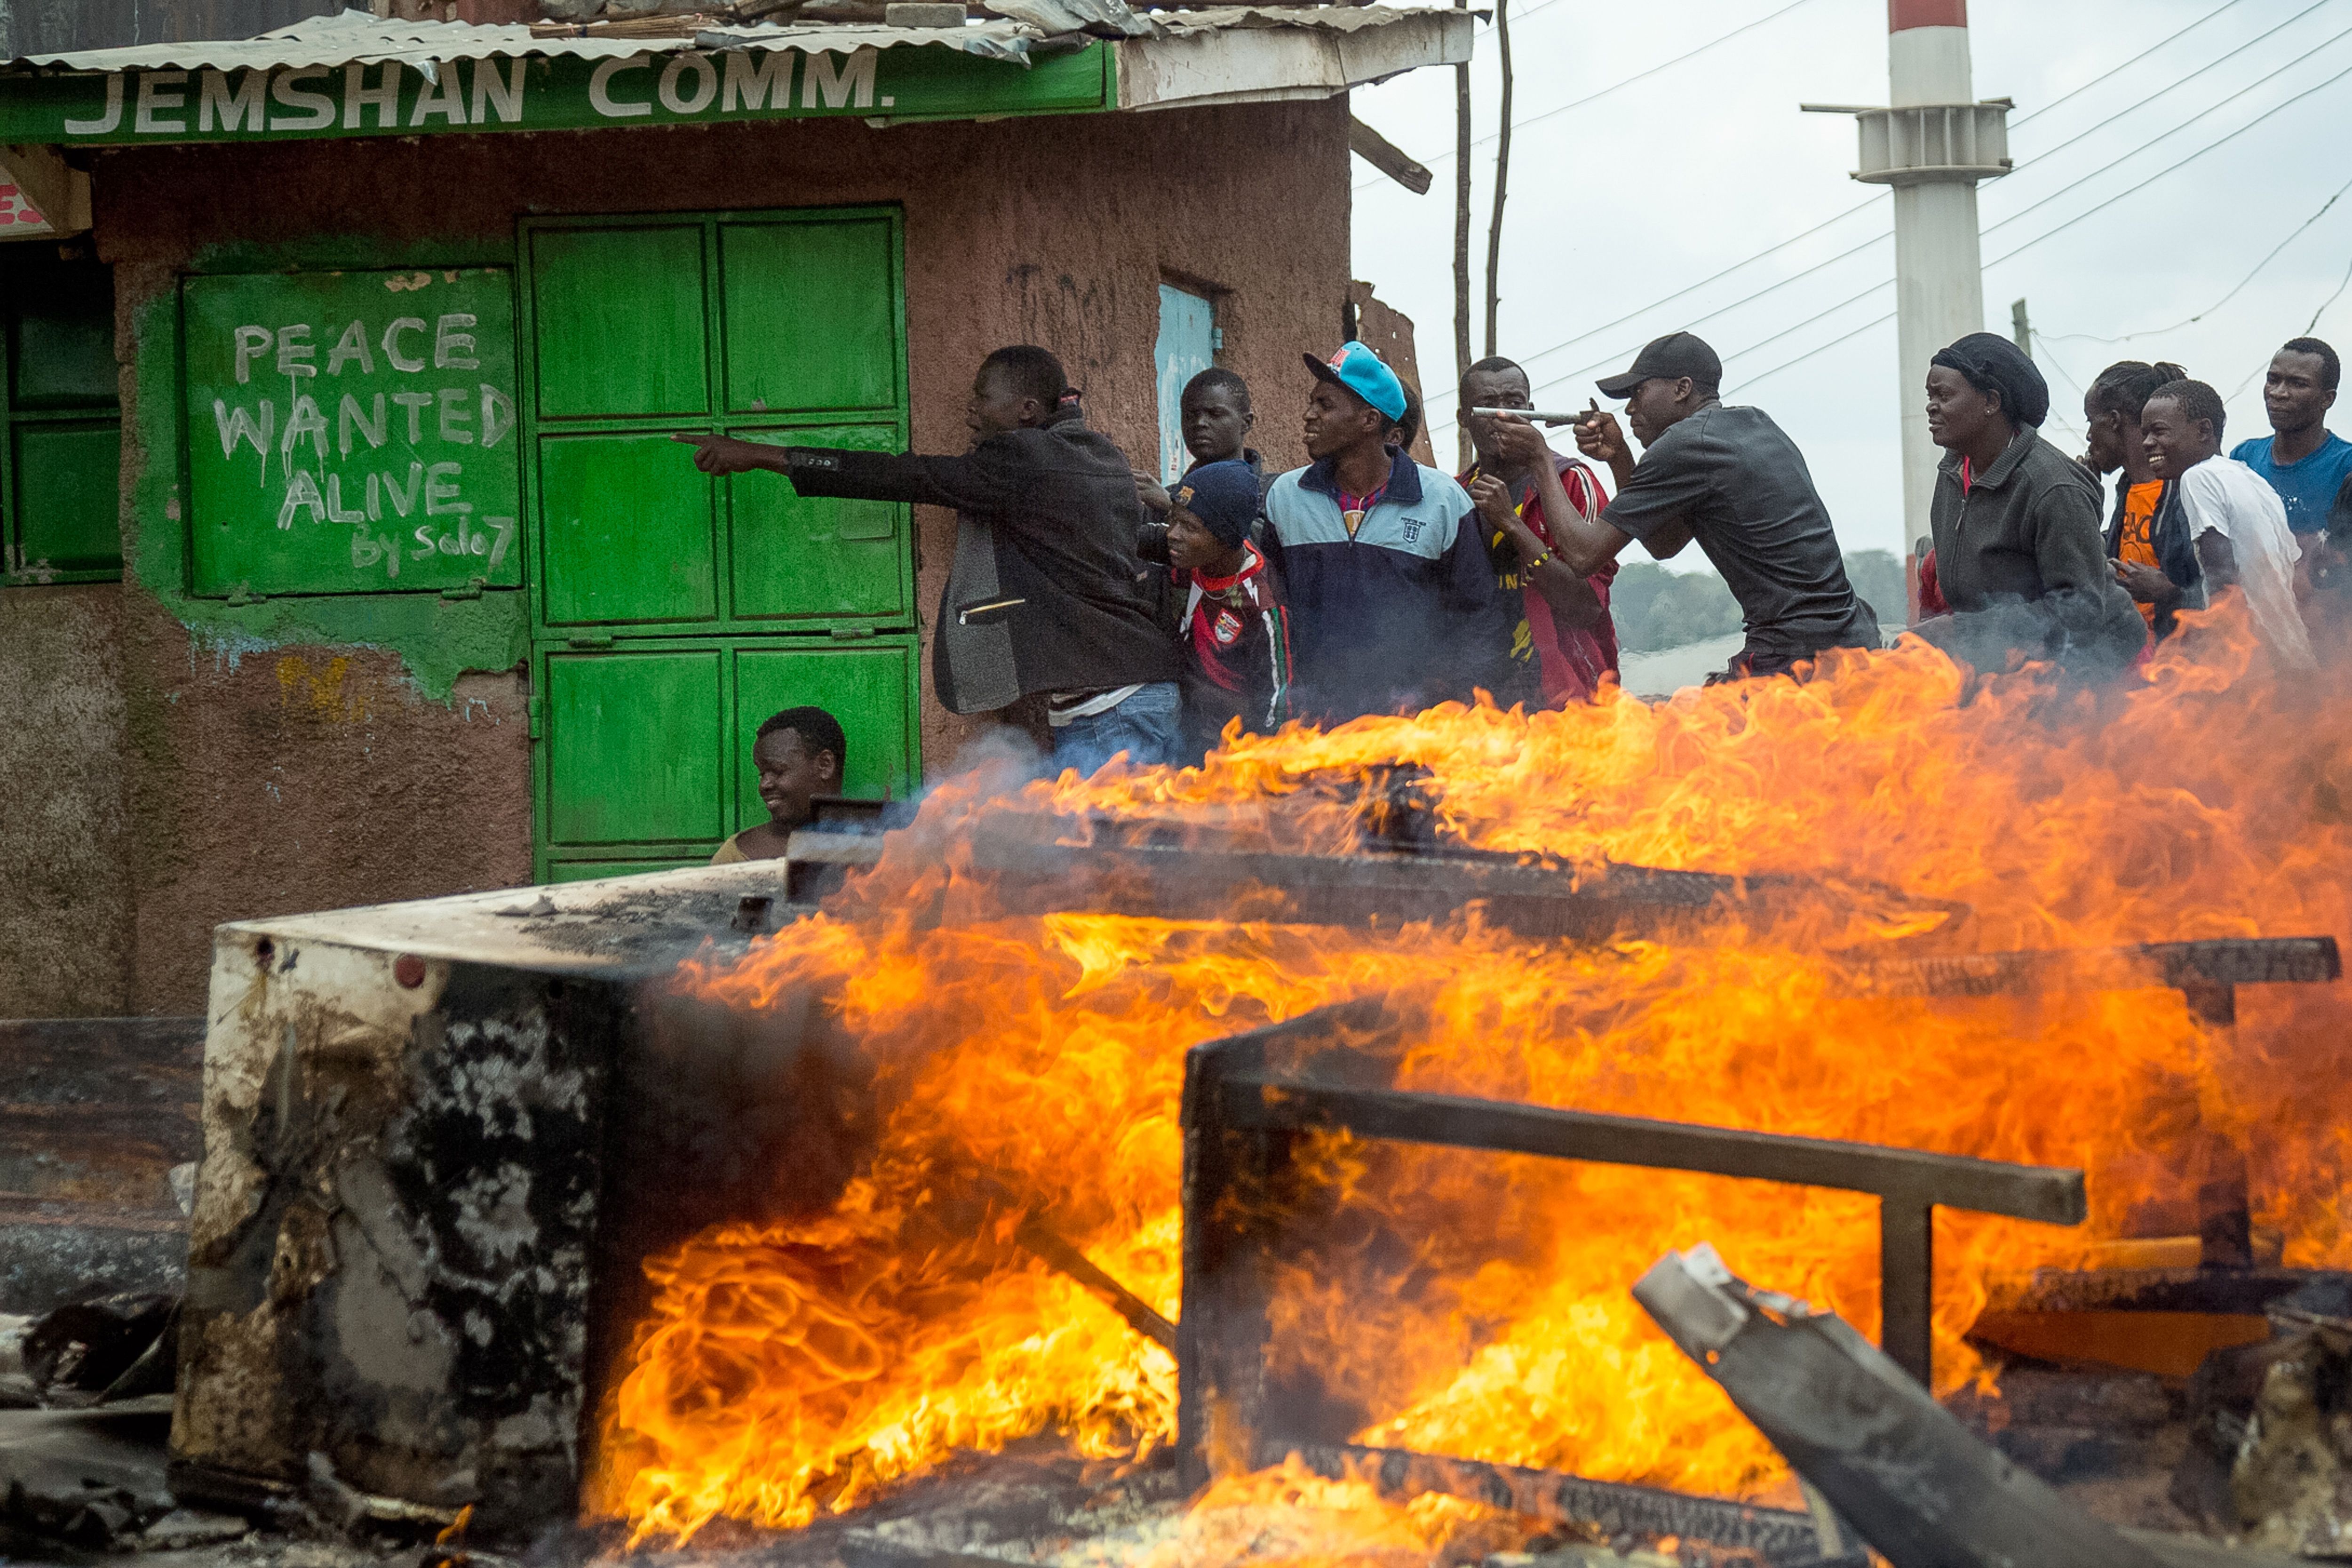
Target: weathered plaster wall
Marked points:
66	925
285	791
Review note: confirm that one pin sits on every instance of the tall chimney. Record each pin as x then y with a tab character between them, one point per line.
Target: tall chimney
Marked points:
1932	144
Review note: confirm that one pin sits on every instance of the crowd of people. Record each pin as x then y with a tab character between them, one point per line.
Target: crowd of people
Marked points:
1155	618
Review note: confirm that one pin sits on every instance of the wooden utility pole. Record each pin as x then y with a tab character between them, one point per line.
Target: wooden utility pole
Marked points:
1502	175
1461	227
2021	330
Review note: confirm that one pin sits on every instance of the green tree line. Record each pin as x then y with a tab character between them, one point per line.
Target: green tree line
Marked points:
1656	609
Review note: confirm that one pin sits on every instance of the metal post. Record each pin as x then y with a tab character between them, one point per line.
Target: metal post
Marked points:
1906	1284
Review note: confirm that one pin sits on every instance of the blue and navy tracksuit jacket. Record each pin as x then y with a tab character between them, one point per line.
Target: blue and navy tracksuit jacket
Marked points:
1403	615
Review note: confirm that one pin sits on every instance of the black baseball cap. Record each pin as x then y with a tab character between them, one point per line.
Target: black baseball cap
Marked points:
1670	358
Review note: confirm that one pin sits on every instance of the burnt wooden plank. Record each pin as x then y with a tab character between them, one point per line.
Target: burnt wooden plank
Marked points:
101	1061
1990	1186
2175	966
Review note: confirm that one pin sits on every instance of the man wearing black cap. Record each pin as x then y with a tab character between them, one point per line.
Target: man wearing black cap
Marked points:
1392	600
1731	479
1236	632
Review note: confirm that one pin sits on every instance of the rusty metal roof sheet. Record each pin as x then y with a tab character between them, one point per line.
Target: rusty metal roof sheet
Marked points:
356	37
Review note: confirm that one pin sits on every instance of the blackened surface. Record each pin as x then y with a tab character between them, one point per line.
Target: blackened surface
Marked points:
492	1156
417	1253
718	1113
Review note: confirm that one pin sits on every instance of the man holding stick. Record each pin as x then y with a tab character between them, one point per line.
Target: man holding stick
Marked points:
1731	479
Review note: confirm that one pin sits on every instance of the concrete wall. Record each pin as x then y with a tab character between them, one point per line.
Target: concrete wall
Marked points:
67	916
268	770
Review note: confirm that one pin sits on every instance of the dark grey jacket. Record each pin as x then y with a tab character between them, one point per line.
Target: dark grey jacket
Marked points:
1042	595
2027	533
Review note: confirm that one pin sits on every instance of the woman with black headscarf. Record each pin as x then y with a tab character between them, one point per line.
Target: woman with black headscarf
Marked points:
2019	551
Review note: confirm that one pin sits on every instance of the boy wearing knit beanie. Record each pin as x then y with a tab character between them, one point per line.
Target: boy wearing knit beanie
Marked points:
1235	632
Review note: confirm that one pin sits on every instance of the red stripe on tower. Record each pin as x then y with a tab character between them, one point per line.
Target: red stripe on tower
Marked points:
1906	14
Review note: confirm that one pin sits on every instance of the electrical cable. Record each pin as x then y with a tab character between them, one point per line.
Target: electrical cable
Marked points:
2036	336
2174	131
2037	158
2168	168
1881	320
1624	82
2233	293
2078	217
2313	324
2114	71
2017	250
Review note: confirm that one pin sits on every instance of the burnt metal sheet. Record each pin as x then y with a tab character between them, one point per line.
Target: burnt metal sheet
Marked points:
389	1271
1777	1535
1914	1483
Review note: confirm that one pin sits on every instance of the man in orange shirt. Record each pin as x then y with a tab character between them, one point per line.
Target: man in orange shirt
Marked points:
2158	571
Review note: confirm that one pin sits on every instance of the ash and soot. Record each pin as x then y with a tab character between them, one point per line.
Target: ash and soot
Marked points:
1020	1069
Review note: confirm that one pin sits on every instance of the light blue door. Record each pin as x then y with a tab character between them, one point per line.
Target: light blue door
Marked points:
1187	346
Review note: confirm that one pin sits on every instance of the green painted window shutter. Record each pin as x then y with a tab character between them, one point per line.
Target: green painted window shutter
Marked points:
60	430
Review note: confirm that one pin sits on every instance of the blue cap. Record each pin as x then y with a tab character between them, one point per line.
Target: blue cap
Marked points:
1224	496
1361	371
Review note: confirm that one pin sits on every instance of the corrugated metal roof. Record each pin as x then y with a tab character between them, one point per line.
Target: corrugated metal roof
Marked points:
356	37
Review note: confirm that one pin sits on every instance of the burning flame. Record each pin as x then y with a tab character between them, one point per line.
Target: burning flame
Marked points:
1476	1305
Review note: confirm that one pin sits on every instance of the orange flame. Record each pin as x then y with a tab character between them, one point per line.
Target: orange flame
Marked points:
1476	1305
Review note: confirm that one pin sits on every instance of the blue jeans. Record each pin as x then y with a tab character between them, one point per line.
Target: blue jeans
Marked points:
1145	727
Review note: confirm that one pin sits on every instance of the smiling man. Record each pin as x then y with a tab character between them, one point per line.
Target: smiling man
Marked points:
1393	601
1042	597
1729	478
799	754
2307	464
2237	521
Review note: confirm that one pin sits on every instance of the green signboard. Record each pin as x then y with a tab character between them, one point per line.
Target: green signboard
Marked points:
542	93
353	432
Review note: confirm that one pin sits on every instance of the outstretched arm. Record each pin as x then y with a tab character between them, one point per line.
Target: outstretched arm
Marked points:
981	480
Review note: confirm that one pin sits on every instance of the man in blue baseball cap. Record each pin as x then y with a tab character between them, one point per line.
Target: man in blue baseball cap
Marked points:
1392	601
1235	637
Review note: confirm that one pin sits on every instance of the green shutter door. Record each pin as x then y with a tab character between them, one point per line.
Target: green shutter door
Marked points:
674	612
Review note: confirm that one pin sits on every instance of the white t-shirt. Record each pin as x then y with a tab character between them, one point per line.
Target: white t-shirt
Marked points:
2230	499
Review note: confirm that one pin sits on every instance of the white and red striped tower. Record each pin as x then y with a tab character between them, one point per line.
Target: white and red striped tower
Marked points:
1932	144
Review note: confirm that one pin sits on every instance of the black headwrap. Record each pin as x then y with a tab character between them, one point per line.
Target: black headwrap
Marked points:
1993	363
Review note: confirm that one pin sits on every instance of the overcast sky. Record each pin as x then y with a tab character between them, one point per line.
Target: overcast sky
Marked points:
1660	183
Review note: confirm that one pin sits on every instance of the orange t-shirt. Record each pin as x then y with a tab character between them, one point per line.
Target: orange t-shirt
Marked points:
2136	544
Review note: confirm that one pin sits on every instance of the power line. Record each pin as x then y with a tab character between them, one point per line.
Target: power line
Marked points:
2176	130
2168	168
2233	293
1824	348
1625	82
2112	72
2034	334
2038	158
2070	223
2313	326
